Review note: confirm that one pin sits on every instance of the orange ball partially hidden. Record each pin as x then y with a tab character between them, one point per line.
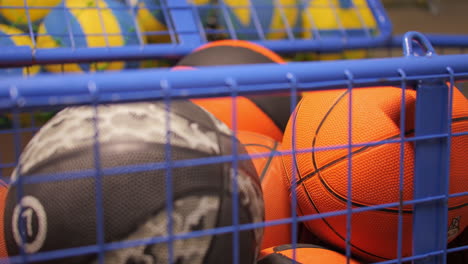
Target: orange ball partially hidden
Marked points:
275	193
264	114
305	254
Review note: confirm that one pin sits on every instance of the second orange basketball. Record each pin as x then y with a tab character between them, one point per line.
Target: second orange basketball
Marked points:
264	114
267	162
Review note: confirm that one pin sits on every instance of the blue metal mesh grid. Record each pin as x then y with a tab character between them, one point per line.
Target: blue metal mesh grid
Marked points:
184	25
162	29
427	71
186	30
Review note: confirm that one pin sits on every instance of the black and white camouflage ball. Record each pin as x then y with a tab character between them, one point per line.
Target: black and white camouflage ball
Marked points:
61	213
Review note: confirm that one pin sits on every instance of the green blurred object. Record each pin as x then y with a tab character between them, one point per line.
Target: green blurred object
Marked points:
5	122
42	117
39	118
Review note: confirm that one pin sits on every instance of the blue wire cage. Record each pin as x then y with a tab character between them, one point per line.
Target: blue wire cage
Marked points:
186	27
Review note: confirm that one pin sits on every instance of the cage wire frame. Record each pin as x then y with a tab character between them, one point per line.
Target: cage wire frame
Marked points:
18	94
186	32
432	135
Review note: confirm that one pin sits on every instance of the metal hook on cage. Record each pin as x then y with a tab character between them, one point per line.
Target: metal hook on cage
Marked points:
424	45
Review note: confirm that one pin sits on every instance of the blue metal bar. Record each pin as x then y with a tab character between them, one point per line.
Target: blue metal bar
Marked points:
168	174
134	52
232	85
98	177
402	165
16	56
189	37
431	170
134	85
431	161
184	22
383	22
437	40
294	234
349	198
449	148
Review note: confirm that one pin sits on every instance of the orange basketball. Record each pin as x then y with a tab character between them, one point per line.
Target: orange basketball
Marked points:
305	253
321	121
264	114
275	194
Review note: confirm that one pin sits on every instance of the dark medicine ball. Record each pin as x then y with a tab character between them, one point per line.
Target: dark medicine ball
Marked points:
61	214
266	114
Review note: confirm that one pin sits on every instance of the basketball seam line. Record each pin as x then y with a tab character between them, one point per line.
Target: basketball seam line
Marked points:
308	195
273	149
267	164
301	182
314	162
315	136
318	170
259	145
332	229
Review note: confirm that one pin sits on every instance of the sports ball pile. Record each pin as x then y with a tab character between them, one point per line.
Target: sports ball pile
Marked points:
86	189
115	23
126	187
69	24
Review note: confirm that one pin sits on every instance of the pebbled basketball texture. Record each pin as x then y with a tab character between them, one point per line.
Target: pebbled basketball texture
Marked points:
270	169
264	114
304	254
62	214
321	121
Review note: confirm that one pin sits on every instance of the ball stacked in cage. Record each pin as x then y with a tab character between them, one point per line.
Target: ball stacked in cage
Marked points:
65	212
301	253
131	162
270	169
266	115
321	124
